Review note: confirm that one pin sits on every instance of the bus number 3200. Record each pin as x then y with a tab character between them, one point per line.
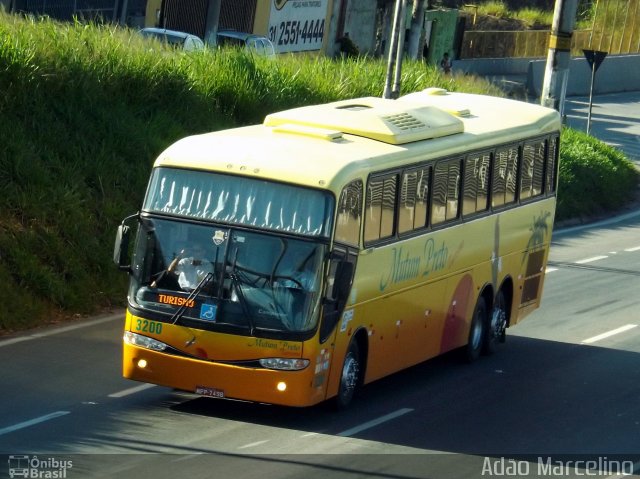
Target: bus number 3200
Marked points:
147	326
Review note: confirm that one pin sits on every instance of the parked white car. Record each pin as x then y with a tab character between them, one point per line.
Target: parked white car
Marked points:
257	44
179	40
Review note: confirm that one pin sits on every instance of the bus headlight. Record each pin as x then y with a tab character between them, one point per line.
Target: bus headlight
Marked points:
143	341
285	364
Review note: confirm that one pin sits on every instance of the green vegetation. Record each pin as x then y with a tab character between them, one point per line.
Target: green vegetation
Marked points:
594	177
529	17
84	111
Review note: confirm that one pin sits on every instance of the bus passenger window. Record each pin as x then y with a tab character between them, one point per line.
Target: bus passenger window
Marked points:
512	176
349	212
505	171
476	183
552	157
446	191
373	211
532	170
414	195
388	207
380	208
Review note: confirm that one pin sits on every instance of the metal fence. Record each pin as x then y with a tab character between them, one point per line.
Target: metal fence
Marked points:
95	10
185	16
615	29
101	11
237	15
190	15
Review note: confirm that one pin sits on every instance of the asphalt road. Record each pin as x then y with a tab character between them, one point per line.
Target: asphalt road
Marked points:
615	119
565	385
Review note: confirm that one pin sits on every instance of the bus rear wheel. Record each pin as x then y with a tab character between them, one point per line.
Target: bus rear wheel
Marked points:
349	377
477	331
497	324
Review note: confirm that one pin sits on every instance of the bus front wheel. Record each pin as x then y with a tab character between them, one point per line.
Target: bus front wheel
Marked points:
477	330
350	376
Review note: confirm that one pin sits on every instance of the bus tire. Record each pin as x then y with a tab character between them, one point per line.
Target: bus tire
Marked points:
496	324
477	331
349	376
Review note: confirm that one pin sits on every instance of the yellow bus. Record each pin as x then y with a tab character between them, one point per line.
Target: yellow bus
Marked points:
294	261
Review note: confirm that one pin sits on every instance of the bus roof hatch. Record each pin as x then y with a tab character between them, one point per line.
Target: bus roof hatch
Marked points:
390	121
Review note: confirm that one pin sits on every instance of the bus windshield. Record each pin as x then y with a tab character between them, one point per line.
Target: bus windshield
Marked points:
220	278
240	200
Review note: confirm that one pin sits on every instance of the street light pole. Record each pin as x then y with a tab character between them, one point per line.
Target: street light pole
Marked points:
556	73
393	49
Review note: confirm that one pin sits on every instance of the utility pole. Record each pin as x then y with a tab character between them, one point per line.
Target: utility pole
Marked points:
556	73
394	48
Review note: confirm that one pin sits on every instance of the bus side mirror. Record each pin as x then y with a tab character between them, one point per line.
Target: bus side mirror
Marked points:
121	248
342	281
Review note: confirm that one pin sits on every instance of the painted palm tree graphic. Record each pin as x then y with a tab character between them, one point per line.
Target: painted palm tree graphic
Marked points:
539	230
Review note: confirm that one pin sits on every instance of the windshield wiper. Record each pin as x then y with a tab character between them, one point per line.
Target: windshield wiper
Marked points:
236	282
180	311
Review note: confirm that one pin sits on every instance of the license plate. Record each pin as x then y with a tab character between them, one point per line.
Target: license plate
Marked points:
211	392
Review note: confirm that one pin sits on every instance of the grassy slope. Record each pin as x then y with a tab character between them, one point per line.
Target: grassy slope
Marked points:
84	112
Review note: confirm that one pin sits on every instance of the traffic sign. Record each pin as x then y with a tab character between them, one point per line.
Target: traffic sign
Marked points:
595	58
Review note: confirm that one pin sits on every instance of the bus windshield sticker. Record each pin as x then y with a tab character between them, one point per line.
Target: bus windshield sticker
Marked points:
346	318
208	312
219	237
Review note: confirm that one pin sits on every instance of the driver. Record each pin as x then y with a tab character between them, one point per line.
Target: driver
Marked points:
191	266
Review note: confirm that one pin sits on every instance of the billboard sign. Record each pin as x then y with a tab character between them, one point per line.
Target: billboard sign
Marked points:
297	25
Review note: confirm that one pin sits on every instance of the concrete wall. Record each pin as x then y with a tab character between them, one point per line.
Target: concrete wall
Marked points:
617	73
493	66
360	23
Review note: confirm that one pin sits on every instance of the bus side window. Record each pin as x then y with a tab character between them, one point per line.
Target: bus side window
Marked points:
476	183
414	198
446	191
349	214
532	169
505	175
552	162
380	208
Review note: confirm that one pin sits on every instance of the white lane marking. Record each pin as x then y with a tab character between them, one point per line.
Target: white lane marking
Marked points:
550	269
33	422
631	250
64	329
590	260
374	422
253	444
310	434
609	333
133	390
187	457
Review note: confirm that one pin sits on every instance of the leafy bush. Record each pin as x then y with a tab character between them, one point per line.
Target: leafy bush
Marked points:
594	177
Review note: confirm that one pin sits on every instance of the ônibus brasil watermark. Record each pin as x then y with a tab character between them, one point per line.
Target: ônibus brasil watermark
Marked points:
38	467
550	467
